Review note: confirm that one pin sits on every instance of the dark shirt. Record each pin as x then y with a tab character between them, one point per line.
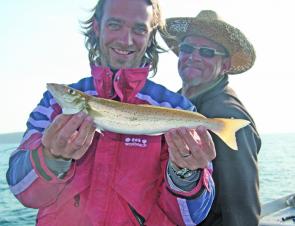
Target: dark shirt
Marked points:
235	172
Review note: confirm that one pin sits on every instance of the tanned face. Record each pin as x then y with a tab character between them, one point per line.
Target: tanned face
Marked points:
195	69
124	33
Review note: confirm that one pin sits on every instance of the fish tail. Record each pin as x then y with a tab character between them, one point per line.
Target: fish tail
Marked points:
227	130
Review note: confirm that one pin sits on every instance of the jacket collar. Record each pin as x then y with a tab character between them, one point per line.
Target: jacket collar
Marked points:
124	84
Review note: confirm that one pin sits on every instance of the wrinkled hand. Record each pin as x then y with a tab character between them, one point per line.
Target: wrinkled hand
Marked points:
69	136
190	148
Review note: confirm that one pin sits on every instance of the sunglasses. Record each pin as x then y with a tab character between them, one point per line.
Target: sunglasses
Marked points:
203	51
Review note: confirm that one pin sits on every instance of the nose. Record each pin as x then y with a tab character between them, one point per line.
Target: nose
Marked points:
195	56
126	38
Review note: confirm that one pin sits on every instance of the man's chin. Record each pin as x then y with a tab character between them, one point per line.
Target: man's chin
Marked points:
113	68
122	66
192	78
118	65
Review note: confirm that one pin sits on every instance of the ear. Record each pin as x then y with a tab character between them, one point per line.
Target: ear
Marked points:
96	27
226	64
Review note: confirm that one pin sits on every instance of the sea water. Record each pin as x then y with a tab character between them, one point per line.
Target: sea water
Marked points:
276	170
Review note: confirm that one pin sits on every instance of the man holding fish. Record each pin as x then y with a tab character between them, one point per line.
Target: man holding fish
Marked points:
209	49
76	176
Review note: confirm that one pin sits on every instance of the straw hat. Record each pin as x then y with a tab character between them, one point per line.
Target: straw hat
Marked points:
207	24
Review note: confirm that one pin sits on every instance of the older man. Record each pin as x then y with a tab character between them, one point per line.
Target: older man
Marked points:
209	49
76	177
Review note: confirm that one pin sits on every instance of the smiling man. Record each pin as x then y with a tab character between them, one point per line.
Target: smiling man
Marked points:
77	177
128	50
208	50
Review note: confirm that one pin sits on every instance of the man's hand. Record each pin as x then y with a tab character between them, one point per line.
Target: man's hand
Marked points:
190	148
69	136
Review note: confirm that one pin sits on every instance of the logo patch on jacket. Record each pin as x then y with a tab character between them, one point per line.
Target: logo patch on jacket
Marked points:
135	142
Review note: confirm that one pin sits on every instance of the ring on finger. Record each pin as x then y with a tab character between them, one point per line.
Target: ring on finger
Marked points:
186	155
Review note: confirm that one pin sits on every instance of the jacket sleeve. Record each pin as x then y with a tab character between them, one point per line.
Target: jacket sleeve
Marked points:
192	206
29	179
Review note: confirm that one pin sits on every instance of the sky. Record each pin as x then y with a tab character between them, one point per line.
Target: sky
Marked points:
41	42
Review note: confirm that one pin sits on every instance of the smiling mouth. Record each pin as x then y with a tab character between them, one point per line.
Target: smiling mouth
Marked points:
194	67
122	52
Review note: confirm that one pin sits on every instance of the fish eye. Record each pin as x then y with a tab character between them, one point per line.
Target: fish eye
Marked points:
71	91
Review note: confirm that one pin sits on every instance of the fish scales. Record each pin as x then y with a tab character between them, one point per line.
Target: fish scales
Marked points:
143	118
134	119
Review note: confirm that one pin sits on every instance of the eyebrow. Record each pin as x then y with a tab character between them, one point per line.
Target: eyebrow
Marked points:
114	19
221	49
138	24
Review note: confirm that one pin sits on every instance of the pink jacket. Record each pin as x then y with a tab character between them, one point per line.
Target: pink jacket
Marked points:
118	171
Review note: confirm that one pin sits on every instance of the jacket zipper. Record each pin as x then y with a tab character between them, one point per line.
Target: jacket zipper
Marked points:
138	217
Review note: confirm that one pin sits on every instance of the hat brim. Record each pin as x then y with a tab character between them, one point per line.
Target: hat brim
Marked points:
240	50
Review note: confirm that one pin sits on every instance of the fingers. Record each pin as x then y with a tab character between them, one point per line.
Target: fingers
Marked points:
69	128
80	135
179	150
53	129
189	148
206	142
176	140
84	138
69	136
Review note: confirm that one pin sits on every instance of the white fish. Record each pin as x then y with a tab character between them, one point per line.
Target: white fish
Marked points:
127	118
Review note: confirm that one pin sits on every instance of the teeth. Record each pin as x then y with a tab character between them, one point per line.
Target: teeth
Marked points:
123	52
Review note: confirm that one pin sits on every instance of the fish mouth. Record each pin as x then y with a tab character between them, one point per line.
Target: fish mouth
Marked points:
50	88
54	89
71	103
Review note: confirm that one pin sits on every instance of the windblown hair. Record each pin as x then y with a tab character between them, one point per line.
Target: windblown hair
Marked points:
152	52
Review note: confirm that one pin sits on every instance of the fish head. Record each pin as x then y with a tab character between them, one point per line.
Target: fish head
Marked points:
71	100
